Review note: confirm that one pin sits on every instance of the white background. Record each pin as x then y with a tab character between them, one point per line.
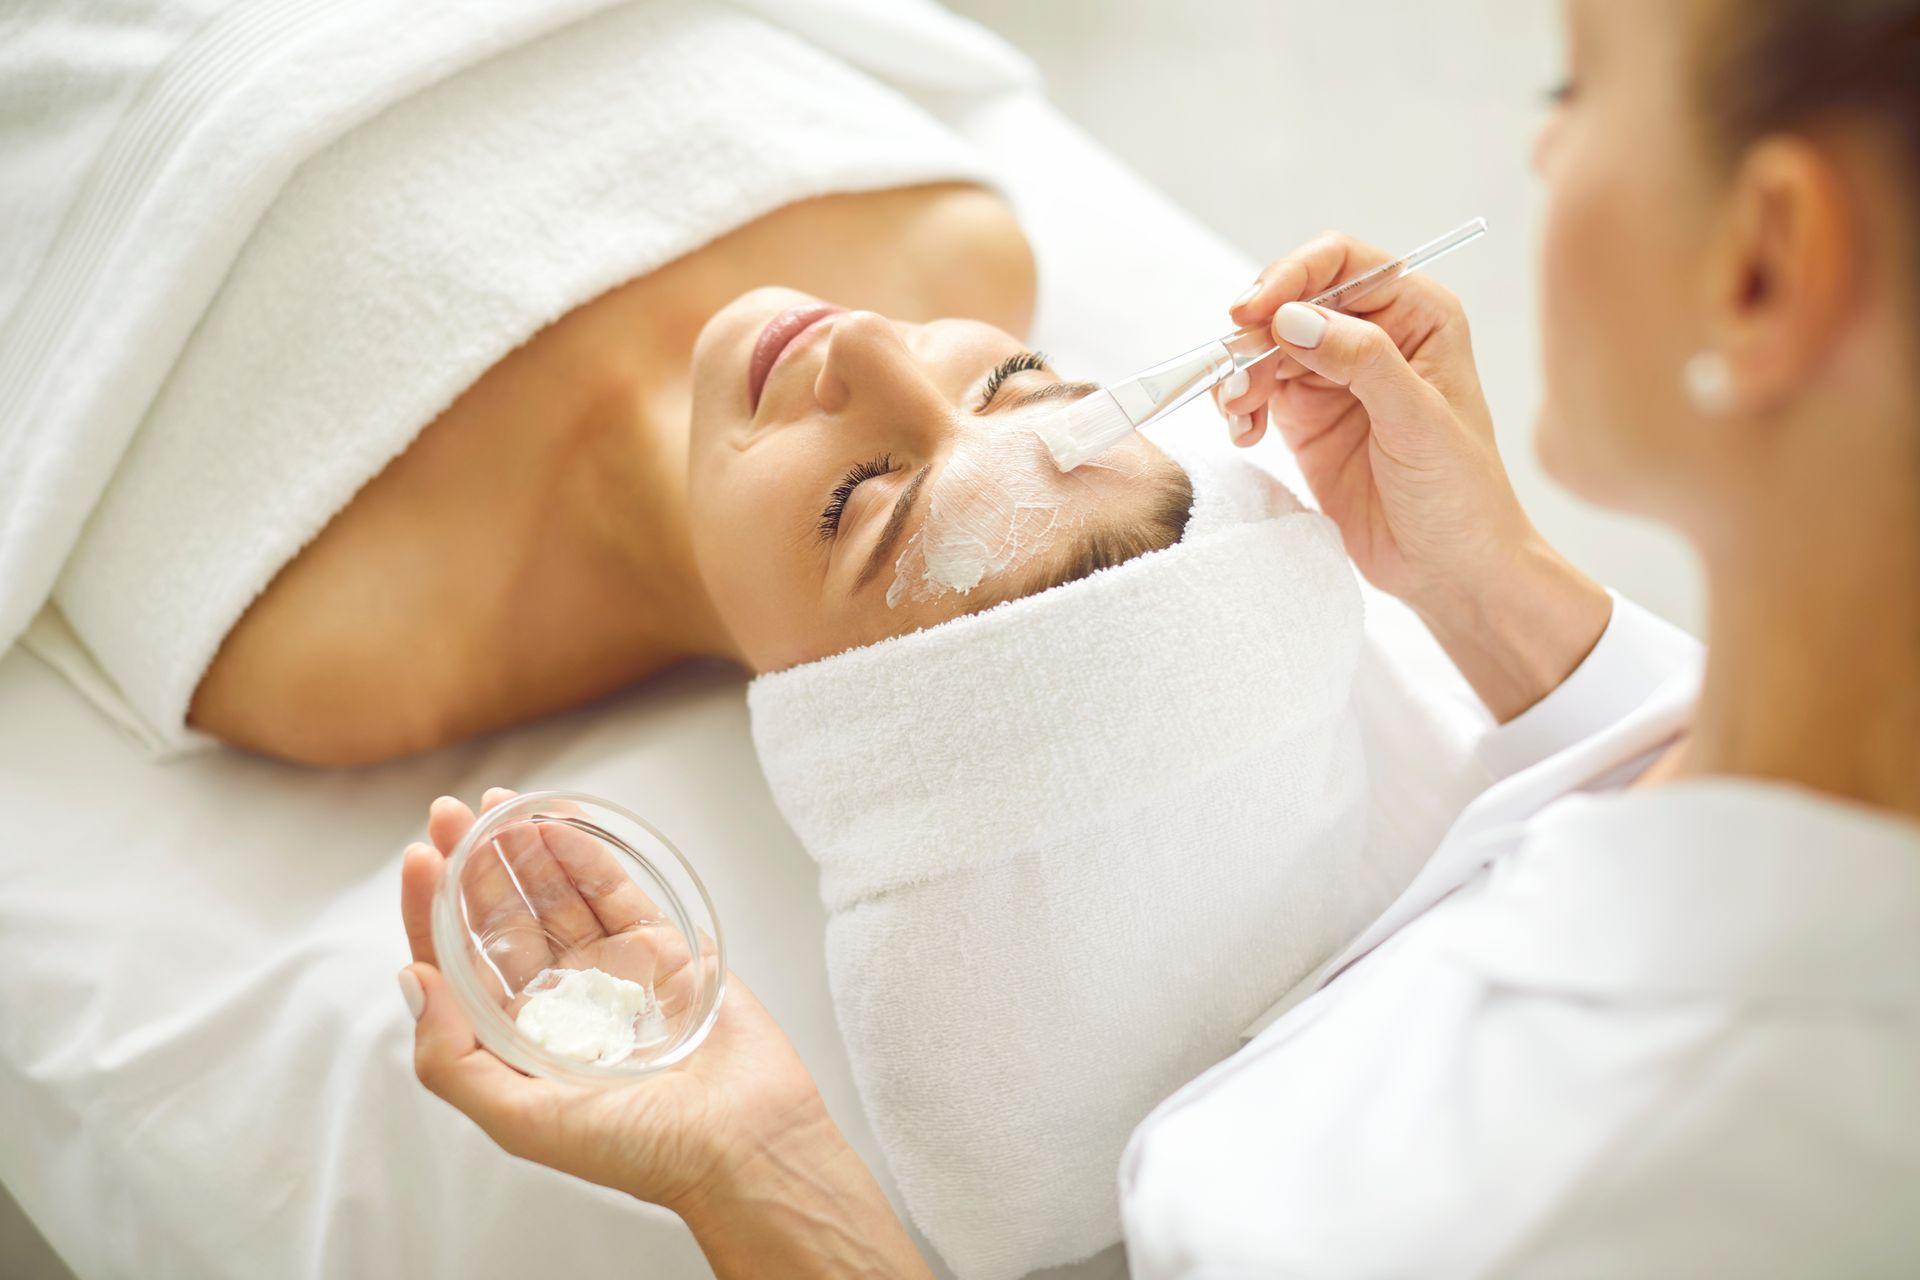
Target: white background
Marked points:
1394	120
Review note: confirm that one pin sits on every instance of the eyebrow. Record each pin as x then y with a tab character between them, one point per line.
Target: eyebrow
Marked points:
902	508
1050	391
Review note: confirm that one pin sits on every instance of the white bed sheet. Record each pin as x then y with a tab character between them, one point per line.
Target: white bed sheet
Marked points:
204	1063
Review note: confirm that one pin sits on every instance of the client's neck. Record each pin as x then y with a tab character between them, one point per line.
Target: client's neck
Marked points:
627	525
1813	673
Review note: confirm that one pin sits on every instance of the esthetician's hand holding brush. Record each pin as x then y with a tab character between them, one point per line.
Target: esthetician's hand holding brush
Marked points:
735	1138
1382	407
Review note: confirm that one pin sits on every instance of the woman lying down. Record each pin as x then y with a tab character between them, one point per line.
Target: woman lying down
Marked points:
681	468
1055	892
976	689
783	417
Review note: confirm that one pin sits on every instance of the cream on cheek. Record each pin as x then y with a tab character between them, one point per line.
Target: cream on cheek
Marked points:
997	504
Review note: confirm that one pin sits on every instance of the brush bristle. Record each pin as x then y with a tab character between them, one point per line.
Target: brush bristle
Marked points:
1084	430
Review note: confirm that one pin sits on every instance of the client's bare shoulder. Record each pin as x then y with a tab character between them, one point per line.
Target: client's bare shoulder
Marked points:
464	588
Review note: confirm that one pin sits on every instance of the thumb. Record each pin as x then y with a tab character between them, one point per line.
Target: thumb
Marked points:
1360	356
450	1061
441	1035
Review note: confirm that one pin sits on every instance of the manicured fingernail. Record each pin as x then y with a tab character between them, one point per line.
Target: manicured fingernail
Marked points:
1237	384
1300	325
1238	424
1253	291
413	993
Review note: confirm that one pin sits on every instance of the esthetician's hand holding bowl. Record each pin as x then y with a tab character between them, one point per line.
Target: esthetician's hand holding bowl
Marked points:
1383	410
719	1137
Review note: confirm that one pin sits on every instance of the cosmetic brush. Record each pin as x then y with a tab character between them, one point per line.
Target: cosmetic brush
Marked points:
1095	423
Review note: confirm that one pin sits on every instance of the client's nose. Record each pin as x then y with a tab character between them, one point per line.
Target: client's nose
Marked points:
870	375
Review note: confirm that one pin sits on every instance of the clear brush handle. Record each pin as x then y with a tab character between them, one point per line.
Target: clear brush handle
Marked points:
1252	345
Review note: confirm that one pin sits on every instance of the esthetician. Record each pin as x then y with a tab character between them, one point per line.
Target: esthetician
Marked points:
1653	1006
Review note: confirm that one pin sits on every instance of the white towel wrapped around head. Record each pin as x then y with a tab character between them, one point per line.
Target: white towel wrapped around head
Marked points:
1071	846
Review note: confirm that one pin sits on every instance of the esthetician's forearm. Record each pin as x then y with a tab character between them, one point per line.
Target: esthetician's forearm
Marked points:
817	1214
1518	631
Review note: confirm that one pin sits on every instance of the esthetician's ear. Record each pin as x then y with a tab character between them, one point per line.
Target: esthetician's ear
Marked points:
1787	275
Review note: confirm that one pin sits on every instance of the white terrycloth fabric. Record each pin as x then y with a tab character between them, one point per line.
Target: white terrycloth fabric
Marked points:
1071	845
321	224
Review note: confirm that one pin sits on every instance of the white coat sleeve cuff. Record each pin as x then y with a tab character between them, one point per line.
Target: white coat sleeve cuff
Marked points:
1636	654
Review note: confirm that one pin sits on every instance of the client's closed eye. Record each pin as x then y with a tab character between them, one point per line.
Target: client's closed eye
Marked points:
828	525
1018	362
992	401
857	475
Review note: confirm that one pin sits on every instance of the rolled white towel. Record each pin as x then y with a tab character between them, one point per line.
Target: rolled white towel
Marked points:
1070	846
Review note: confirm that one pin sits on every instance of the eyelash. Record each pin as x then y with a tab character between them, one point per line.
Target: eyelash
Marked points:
829	524
857	475
1019	362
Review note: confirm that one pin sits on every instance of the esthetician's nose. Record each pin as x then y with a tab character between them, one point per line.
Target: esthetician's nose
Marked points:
870	375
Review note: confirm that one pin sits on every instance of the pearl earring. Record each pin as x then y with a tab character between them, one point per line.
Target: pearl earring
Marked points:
1708	379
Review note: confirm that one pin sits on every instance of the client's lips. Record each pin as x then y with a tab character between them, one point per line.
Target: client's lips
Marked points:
774	342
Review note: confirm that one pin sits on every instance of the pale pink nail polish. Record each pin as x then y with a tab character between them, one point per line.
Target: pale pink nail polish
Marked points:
413	993
1237	384
1300	325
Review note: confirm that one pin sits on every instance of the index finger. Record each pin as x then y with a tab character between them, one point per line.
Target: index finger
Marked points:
1317	266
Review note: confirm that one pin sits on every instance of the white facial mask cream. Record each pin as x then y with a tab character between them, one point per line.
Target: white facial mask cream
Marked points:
589	1015
997	503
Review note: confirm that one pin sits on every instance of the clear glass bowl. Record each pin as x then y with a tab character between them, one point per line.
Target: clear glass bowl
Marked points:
578	939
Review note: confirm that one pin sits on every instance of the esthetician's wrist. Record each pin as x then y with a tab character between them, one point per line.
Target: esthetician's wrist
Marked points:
800	1205
1519	627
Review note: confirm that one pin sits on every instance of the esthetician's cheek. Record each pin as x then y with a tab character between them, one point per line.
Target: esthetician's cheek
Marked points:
1571	299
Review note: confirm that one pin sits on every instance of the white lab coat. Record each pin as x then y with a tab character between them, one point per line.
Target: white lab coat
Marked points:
1672	1031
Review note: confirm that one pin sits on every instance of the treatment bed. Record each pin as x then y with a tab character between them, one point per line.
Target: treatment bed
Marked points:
204	1061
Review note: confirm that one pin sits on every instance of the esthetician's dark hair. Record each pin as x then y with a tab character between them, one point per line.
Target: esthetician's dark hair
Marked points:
1776	65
